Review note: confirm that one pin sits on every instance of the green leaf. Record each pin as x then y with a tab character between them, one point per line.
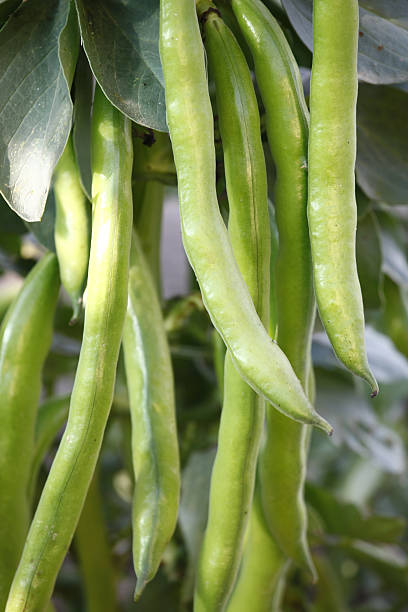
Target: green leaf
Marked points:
383	41
6	8
44	230
396	315
35	105
345	519
9	221
356	423
382	135
121	40
389	562
393	240
369	259
82	122
194	508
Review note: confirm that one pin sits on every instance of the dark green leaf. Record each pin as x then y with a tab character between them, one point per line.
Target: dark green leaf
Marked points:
194	508
9	221
383	41
393	240
382	136
6	8
82	122
35	105
389	562
396	11
345	519
396	315
369	259
121	41
44	230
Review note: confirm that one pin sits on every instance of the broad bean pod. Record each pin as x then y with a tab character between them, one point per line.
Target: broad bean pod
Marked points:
154	433
261	578
332	210
65	490
72	227
260	361
242	419
25	338
283	457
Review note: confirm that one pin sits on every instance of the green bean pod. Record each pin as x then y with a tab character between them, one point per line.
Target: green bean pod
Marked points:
261	578
260	361
72	227
154	433
148	225
25	338
151	164
94	553
332	210
284	457
242	419
65	490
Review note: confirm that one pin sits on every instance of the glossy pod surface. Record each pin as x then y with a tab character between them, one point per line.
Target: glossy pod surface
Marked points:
242	418
261	578
72	227
154	433
332	208
283	458
260	361
25	338
64	493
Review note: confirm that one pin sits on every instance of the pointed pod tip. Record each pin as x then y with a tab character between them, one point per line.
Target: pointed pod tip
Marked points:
322	424
374	388
369	378
140	585
76	310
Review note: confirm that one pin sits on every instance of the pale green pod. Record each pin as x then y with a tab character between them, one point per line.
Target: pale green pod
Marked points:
332	210
67	484
155	453
72	231
260	361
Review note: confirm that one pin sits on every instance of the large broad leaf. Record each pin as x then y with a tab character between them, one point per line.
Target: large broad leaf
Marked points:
44	230
393	239
369	259
9	221
83	85
6	8
355	422
194	509
345	519
121	41
382	136
389	562
38	48
383	41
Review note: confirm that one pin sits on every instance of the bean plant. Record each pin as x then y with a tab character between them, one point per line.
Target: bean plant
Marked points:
240	446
